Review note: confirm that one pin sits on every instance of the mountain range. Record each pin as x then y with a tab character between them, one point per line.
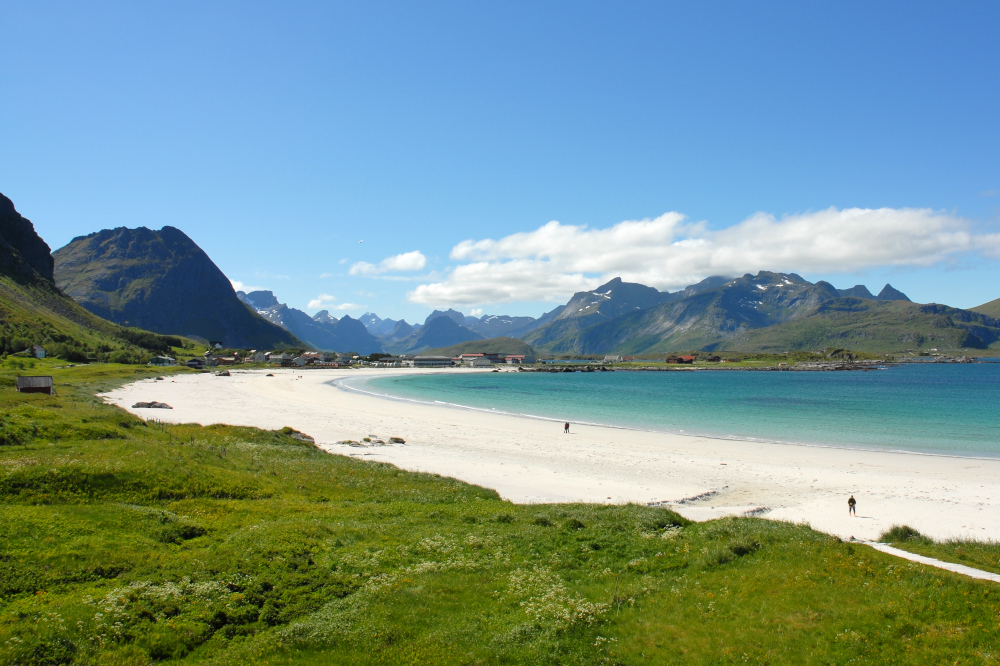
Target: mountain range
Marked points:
764	312
321	331
162	281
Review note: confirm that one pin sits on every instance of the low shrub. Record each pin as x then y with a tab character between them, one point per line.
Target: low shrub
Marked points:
901	533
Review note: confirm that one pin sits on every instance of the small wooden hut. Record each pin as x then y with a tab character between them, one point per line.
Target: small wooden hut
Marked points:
42	384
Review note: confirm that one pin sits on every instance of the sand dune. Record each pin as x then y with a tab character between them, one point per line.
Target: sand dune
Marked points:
529	460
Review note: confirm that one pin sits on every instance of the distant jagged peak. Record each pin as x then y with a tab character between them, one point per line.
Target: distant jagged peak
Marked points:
262	299
773	277
608	287
765	280
708	284
452	314
889	293
325	317
857	291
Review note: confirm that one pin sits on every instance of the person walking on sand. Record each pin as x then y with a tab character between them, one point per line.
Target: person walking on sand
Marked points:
566	428
851	503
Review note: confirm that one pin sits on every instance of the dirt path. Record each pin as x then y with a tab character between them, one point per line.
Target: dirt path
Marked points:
931	562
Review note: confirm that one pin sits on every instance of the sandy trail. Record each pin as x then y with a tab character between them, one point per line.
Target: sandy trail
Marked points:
529	460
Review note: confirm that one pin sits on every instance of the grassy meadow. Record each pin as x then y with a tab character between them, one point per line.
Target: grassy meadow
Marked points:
126	542
984	555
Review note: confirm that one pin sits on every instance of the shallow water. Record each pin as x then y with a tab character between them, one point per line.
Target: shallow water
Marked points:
939	408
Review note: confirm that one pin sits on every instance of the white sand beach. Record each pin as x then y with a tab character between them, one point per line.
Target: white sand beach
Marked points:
531	461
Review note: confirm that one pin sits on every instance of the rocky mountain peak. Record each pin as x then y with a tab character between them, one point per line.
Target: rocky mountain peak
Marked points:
23	254
889	293
163	282
262	300
454	315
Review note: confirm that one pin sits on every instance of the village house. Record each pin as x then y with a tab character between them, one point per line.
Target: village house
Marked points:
680	359
515	358
38	351
41	384
162	361
279	360
611	358
196	363
473	360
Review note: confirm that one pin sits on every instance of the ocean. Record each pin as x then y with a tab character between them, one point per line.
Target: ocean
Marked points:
922	408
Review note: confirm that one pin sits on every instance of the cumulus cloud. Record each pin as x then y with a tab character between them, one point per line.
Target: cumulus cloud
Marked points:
321	301
239	286
408	261
669	252
350	306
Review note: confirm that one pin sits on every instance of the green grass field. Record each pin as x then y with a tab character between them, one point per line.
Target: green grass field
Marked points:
125	542
976	554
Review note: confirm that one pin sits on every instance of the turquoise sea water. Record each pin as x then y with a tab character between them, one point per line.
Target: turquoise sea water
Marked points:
950	409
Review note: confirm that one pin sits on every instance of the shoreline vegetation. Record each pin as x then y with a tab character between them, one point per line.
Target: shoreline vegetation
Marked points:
127	541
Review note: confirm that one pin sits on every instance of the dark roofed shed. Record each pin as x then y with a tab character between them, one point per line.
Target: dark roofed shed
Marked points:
42	384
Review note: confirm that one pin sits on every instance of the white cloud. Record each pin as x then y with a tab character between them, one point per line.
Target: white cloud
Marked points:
321	301
239	286
556	260
408	261
476	312
350	306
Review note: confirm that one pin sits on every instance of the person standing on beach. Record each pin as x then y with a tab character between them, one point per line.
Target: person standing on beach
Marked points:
851	503
566	429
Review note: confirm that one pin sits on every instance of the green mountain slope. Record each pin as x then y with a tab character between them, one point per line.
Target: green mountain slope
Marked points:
991	309
161	281
874	326
501	345
34	311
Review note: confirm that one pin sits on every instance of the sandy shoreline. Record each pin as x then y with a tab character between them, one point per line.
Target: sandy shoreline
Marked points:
531	460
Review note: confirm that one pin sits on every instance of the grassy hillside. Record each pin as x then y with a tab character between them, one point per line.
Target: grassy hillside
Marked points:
991	309
35	312
499	345
125	542
874	326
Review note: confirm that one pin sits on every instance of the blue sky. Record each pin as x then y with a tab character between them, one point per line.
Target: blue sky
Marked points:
853	142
